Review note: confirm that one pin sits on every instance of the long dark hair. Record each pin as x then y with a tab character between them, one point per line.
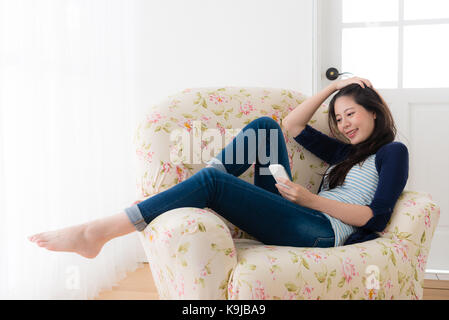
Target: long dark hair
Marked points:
384	129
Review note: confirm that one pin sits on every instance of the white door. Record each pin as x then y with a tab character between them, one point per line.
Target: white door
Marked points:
402	47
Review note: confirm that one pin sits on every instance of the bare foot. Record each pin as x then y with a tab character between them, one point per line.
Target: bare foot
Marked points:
76	239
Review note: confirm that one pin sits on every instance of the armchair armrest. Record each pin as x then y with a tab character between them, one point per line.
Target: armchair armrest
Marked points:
414	219
191	254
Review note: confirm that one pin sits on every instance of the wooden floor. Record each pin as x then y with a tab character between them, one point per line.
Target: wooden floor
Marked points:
139	285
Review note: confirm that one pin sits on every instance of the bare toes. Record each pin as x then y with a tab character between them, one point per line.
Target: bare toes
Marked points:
35	237
41	243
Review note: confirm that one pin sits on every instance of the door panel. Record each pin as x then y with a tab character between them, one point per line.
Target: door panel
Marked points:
389	43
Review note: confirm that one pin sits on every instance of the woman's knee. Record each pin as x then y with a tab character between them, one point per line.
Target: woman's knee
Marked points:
269	122
210	172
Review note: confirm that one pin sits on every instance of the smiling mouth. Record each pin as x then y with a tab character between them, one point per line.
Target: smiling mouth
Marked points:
351	134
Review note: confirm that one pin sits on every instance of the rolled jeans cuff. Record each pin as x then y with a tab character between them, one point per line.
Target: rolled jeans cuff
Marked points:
136	218
217	164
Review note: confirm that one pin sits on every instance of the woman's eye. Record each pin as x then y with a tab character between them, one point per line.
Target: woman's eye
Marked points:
350	114
338	120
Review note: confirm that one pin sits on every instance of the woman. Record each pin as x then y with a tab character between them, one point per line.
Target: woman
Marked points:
357	195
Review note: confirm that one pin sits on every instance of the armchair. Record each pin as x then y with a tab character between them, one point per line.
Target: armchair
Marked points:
194	253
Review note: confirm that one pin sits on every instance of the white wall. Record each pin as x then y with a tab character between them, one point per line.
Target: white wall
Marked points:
201	43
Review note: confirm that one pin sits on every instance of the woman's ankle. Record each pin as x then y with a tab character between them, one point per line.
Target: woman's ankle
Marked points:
108	228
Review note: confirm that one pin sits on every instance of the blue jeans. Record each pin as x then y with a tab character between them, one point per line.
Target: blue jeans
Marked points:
256	208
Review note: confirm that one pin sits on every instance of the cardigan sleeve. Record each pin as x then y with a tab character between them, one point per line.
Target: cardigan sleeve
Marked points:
392	164
324	147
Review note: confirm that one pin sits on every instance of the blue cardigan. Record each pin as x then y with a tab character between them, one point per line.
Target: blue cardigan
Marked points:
391	166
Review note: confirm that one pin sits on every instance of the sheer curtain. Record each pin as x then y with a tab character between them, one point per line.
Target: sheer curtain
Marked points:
67	119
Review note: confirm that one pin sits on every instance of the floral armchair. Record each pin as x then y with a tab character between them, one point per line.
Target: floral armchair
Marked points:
194	253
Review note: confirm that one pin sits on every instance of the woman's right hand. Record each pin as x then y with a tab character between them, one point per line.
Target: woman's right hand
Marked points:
360	81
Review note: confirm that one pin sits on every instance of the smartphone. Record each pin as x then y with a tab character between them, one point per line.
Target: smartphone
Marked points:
277	170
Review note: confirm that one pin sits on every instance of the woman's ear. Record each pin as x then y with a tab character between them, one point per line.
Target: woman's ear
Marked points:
374	114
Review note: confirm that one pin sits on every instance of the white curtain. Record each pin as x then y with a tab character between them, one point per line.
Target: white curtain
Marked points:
67	119
75	78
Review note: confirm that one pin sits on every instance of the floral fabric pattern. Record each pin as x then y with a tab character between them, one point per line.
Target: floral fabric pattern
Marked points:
196	254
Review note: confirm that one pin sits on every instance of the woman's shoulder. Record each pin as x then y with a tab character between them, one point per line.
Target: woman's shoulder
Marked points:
396	147
394	151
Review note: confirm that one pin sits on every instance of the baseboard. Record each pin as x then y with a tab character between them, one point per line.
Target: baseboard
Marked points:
438	256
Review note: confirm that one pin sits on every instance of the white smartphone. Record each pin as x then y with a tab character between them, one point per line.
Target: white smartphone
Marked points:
277	170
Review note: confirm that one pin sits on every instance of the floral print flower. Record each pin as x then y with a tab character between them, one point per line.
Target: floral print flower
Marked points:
348	270
232	292
204	271
307	291
205	118
180	286
410	203
259	292
246	108
289	295
144	155
422	260
273	266
167	235
427	219
181	173
186	124
363	254
315	256
166	167
276	116
154	117
221	129
370	293
215	98
401	249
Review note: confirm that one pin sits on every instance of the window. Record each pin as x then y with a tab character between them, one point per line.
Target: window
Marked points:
403	41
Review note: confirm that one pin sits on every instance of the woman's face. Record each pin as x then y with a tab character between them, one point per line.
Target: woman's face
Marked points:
353	121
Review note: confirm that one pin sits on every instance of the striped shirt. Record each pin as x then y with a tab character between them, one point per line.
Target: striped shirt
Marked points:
358	187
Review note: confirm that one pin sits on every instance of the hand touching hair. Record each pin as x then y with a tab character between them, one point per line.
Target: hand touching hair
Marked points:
361	91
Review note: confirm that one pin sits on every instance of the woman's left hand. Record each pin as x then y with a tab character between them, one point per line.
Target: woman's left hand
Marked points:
297	193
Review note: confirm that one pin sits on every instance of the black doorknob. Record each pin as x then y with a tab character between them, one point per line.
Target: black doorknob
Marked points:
332	73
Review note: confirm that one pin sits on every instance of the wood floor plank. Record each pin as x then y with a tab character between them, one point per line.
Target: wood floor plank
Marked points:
127	295
435	294
137	285
436	284
140	280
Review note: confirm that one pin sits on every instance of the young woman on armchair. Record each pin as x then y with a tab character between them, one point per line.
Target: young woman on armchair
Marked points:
368	171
